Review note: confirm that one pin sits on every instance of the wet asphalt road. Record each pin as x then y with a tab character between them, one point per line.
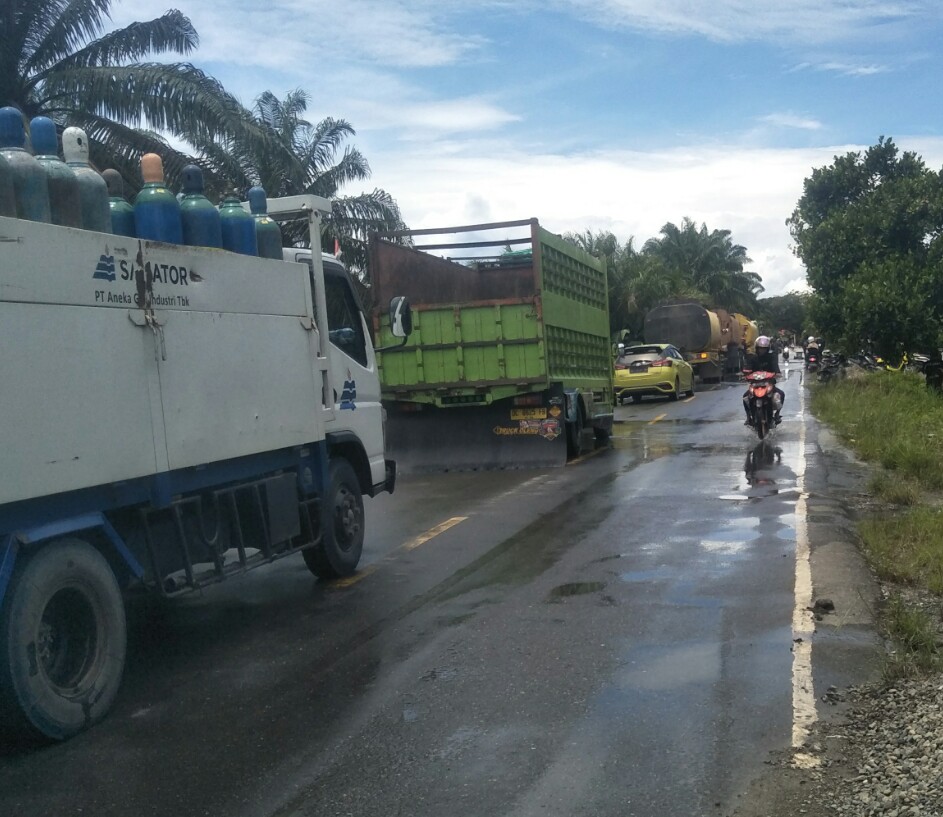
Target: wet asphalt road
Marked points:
610	638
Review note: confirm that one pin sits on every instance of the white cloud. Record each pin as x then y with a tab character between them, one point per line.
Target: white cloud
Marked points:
305	36
440	117
794	21
748	191
790	120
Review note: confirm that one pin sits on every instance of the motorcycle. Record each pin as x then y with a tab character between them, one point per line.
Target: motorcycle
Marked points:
761	389
812	359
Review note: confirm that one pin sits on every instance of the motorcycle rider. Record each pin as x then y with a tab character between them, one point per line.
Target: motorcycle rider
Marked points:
763	359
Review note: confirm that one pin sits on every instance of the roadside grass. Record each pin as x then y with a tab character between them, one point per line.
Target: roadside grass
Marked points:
892	421
915	633
889	418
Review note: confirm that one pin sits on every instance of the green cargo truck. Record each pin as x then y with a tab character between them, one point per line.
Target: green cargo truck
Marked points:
509	361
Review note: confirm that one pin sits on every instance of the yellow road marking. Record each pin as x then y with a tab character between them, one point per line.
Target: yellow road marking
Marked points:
659	417
586	456
412	544
349	580
690	398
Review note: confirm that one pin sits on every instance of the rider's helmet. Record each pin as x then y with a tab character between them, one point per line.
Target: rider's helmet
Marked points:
762	342
811	339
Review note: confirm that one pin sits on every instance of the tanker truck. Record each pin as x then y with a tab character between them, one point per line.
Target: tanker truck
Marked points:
171	416
713	341
509	363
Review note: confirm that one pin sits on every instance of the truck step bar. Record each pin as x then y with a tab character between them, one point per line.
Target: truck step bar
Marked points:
250	525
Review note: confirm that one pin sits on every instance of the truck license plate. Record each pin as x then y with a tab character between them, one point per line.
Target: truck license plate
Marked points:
539	413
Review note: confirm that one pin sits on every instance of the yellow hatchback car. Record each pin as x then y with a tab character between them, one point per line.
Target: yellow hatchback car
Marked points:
652	368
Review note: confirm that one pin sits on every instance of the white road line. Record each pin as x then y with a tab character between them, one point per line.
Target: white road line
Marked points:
803	622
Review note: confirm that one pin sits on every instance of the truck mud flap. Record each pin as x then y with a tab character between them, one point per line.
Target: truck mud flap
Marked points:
476	438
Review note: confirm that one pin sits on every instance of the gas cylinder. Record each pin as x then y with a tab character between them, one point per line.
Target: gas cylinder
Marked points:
156	211
238	227
93	192
7	196
267	232
201	220
65	204
120	209
29	180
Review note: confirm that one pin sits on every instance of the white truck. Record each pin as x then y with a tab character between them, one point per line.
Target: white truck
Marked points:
169	416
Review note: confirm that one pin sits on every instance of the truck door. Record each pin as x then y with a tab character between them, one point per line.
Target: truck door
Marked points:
353	363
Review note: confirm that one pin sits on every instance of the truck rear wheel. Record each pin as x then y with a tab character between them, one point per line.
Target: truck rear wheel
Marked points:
62	642
342	525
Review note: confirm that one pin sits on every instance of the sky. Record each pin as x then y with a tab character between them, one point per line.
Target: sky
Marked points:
601	115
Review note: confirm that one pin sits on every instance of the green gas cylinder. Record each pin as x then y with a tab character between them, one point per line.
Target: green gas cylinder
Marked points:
29	180
120	209
201	220
7	195
238	227
267	232
65	203
156	210
93	192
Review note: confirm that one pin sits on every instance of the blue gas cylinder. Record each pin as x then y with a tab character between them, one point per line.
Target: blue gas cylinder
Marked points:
65	204
120	209
238	227
7	195
93	192
29	180
202	226
156	210
267	232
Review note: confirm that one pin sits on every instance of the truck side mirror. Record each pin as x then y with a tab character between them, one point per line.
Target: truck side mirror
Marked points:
401	317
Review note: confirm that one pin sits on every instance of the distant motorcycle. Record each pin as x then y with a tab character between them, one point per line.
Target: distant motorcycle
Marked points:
813	358
760	391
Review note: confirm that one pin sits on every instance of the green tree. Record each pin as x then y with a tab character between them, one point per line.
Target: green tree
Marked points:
57	60
300	157
710	262
868	229
789	312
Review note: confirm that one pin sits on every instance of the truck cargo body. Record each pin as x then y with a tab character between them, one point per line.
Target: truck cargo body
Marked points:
171	415
509	360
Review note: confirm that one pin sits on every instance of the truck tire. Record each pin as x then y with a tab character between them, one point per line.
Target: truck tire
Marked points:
63	638
574	435
342	525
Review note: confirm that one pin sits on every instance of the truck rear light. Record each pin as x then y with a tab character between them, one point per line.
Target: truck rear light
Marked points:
535	399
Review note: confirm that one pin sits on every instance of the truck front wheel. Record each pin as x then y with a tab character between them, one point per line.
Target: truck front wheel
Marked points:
342	525
62	642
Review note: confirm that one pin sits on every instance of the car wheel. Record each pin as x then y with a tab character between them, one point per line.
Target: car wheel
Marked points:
691	390
674	393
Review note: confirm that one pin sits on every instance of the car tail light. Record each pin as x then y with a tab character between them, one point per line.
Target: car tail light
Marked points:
662	361
621	366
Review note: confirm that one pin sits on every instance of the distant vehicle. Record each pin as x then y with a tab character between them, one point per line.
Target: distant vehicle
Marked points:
511	362
652	369
713	341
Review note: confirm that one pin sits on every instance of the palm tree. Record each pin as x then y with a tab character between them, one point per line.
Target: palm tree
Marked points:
710	262
298	157
56	60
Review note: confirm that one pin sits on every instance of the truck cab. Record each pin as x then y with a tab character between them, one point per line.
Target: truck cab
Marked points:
357	414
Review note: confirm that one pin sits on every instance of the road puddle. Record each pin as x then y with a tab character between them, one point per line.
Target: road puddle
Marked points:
562	591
